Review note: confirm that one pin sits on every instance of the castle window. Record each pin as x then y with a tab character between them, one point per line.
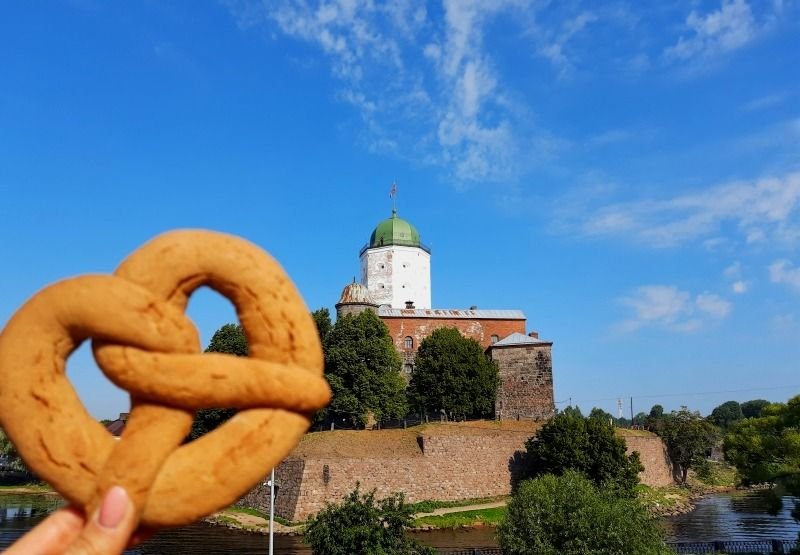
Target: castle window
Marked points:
408	342
408	369
495	339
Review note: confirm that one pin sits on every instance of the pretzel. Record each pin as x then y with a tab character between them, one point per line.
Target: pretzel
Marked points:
144	343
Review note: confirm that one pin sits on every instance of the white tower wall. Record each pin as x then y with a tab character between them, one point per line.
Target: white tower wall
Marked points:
395	274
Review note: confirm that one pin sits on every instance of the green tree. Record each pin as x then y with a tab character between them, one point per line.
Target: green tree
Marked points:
363	369
452	372
572	411
361	525
655	420
752	409
689	437
322	319
726	415
600	414
10	458
767	448
567	515
228	339
585	445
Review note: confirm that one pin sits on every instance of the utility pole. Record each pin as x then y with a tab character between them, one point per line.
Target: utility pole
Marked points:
271	485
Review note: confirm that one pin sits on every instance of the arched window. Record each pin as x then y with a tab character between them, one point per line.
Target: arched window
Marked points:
495	339
408	342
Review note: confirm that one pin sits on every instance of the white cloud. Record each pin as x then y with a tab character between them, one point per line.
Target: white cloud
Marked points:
764	102
783	271
759	208
739	287
733	271
713	305
554	48
452	109
729	28
668	307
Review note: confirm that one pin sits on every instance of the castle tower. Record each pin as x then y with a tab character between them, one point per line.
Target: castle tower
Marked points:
396	266
355	298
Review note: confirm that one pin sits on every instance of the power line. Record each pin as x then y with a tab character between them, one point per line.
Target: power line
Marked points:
688	394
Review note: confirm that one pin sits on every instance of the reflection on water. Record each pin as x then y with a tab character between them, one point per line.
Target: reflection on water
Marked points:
20	513
754	515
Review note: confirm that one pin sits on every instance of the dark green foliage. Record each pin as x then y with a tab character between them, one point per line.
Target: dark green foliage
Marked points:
726	415
752	409
228	339
655	420
567	515
363	526
452	372
585	445
600	414
322	319
689	437
572	411
767	448
9	456
363	369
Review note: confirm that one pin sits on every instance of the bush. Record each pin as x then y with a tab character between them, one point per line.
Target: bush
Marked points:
567	515
363	526
589	446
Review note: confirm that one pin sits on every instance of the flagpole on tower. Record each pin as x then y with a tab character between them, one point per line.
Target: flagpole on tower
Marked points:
393	196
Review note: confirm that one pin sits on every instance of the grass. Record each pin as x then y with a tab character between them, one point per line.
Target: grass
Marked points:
713	473
256	512
660	500
30	486
430	505
489	517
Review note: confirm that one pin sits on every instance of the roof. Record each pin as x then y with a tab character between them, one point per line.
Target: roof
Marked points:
517	338
386	312
394	231
355	293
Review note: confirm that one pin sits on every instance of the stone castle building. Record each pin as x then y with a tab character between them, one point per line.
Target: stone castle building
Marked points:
396	285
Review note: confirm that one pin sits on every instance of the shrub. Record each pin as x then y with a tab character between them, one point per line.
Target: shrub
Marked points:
360	525
567	515
589	446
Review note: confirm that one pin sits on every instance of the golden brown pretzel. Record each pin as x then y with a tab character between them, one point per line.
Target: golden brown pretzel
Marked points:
145	344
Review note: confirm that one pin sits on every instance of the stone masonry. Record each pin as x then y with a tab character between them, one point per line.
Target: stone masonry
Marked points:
438	463
526	382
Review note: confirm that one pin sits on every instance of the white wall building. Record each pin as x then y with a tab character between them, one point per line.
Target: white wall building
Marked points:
396	266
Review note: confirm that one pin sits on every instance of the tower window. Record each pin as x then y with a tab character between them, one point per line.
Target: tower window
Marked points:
408	342
495	339
380	286
381	266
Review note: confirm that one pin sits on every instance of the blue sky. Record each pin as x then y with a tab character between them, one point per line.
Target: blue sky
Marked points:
627	174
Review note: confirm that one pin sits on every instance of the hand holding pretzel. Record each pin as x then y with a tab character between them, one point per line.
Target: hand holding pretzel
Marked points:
144	343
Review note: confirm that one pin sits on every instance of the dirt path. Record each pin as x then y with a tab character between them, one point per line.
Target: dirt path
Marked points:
478	507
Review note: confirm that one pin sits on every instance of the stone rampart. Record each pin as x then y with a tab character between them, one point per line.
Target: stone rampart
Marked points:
448	463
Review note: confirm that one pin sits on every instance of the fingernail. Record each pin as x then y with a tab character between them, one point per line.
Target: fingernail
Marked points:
115	506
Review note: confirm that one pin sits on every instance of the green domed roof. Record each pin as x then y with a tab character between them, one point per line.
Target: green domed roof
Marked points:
394	231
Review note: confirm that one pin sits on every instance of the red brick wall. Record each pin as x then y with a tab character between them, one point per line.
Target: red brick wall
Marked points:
481	330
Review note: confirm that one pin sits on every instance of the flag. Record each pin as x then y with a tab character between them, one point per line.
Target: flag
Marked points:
393	191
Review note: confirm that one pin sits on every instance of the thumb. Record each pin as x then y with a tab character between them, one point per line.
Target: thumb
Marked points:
109	529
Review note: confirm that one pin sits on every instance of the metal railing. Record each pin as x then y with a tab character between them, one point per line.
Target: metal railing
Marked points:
767	547
740	546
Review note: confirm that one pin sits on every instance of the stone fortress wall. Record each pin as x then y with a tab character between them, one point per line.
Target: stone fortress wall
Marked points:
438	462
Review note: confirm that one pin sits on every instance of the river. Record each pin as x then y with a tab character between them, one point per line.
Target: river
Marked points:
751	515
